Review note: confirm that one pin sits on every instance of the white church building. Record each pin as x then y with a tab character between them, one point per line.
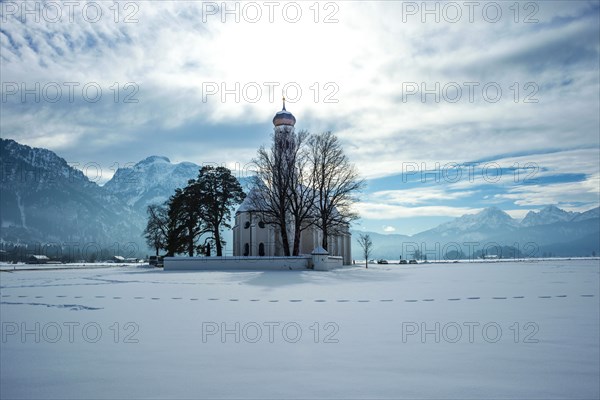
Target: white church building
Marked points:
253	237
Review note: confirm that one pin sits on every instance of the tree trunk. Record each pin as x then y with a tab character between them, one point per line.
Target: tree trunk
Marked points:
325	241
190	242
218	243
285	241
157	250
296	250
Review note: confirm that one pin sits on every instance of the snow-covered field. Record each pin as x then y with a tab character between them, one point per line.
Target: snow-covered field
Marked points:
476	330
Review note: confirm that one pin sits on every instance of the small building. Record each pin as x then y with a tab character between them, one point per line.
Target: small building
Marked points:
37	259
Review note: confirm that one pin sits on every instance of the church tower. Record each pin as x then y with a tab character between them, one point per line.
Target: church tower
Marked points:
253	237
283	126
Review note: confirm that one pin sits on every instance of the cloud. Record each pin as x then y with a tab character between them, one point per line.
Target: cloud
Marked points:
388	228
363	63
382	211
417	195
585	193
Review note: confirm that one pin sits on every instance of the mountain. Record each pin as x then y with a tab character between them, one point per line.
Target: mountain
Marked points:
47	203
594	213
471	227
585	245
44	200
150	181
547	215
549	231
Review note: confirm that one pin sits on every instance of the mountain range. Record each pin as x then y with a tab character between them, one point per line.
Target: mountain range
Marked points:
44	201
548	232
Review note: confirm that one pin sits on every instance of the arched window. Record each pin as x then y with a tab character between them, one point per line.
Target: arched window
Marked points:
247	225
246	250
261	249
261	224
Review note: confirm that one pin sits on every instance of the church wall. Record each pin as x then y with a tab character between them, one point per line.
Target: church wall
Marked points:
307	241
254	235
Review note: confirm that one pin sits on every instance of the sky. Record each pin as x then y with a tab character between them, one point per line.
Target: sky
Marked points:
445	108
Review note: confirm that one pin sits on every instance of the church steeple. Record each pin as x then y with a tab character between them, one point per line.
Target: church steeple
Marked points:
284	117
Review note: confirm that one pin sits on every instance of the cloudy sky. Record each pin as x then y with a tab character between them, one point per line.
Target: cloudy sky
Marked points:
446	108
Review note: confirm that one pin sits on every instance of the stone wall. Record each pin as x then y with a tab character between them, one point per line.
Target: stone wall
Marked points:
237	263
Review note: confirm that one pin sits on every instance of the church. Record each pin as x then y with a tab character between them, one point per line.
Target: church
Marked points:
253	237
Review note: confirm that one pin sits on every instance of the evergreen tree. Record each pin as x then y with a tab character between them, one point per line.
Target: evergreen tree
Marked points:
184	224
202	207
217	191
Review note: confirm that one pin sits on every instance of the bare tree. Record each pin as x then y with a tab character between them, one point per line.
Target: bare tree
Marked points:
283	193
304	180
364	240
156	232
336	184
301	191
270	193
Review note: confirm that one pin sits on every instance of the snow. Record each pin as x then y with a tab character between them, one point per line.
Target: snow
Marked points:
488	218
366	311
548	215
21	210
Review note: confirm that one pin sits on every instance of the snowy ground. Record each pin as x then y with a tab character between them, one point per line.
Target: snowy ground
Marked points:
494	330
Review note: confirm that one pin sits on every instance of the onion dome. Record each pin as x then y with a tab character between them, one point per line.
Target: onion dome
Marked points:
284	117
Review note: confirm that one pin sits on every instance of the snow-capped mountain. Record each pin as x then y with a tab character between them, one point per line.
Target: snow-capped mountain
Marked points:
549	231
43	200
584	216
150	181
472	226
489	218
547	215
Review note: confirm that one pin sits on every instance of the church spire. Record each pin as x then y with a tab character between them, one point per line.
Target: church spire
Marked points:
284	117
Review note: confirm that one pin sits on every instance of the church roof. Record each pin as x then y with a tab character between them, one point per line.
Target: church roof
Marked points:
284	117
319	251
247	203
